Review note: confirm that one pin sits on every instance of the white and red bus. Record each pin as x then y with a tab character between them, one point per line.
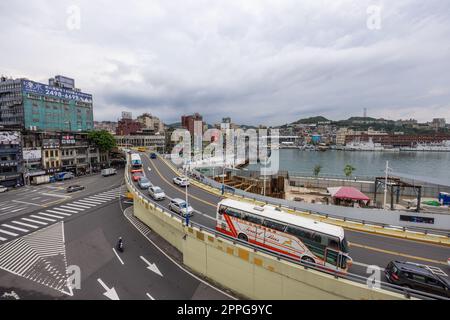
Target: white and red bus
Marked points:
288	234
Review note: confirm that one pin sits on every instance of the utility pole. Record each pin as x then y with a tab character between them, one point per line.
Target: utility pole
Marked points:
385	184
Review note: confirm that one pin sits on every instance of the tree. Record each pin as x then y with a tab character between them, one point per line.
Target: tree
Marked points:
348	170
317	169
102	139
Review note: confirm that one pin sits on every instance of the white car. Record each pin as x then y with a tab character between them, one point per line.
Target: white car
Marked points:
181	181
179	206
3	189
156	193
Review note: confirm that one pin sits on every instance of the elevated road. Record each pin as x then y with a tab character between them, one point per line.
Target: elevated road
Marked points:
365	248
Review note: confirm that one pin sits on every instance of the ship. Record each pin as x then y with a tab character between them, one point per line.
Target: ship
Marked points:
435	147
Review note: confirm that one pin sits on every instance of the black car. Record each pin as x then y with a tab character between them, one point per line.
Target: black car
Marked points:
418	277
74	188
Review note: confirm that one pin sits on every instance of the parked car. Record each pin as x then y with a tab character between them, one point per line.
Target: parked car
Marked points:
3	189
180	206
137	175
156	193
181	181
152	155
144	183
74	188
418	277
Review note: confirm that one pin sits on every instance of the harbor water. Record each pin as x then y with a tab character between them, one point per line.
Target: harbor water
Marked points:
366	163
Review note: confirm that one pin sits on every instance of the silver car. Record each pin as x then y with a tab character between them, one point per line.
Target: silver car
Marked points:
181	181
179	206
144	183
156	193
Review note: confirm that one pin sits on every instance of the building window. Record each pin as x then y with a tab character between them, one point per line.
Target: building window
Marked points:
46	154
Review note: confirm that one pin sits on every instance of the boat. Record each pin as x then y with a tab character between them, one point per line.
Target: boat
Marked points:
364	146
435	147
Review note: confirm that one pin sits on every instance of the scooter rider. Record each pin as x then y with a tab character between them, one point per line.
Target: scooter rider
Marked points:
120	244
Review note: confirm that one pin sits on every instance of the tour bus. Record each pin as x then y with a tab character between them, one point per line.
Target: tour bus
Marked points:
136	162
288	234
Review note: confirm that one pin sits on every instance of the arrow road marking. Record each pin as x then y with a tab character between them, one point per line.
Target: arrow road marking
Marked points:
151	298
152	266
110	293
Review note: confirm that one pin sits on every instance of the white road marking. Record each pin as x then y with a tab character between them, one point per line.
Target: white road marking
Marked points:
36	198
54	195
50	215
8	233
148	295
43	218
3	239
365	265
29	203
94	199
104	197
90	202
61	208
58	212
118	256
6	208
34	221
76	205
25	224
15	228
85	204
71	208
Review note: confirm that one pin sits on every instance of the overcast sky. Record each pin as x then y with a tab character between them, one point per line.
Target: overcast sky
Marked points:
268	62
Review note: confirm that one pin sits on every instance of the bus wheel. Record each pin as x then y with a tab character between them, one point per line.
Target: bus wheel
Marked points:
243	237
308	259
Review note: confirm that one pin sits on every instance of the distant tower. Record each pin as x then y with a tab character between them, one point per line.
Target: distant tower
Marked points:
365	112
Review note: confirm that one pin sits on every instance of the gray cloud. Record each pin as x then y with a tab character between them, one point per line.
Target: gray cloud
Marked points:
256	61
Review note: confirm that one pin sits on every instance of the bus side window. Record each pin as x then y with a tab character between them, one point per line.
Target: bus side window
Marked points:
222	209
233	213
274	225
253	219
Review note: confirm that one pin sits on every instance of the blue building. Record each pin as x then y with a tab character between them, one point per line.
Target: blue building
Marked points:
59	106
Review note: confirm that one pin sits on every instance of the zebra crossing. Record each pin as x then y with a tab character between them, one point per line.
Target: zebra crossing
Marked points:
39	257
37	220
144	229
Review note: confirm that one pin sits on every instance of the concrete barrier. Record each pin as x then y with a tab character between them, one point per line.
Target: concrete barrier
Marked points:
255	275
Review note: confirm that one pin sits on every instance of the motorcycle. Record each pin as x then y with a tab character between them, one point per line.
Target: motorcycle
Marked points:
119	246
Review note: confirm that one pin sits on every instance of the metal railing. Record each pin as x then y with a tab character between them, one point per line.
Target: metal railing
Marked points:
407	292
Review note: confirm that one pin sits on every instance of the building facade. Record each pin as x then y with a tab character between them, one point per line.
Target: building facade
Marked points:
45	153
127	127
30	105
156	142
151	123
188	122
11	164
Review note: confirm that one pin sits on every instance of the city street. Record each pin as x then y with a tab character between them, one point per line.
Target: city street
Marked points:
37	263
365	248
28	199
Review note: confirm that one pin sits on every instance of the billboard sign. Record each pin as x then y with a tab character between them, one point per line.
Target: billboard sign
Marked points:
32	154
42	89
50	143
68	139
10	137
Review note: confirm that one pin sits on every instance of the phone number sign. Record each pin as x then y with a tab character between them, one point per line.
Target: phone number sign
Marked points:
42	89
